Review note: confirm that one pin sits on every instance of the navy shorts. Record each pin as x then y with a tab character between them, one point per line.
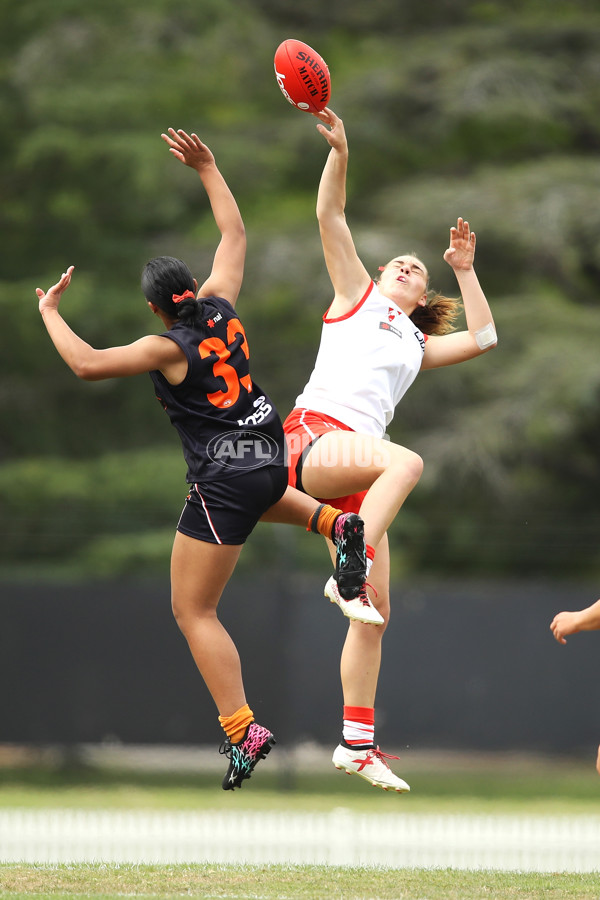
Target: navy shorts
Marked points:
225	512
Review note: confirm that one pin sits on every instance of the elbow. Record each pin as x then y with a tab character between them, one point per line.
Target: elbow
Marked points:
486	337
328	220
233	235
239	240
85	370
481	351
238	233
82	372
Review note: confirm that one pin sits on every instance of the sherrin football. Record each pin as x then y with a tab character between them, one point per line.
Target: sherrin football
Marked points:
302	75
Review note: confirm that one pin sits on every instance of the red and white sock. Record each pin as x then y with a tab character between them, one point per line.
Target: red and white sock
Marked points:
359	726
370	558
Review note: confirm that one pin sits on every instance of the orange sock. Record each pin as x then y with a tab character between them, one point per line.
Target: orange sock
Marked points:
323	520
235	725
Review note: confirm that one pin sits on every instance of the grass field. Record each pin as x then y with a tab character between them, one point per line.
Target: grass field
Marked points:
495	785
283	882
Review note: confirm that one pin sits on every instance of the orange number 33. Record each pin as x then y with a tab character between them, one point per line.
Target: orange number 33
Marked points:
221	368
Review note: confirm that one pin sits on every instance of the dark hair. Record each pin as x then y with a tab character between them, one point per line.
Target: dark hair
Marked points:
164	277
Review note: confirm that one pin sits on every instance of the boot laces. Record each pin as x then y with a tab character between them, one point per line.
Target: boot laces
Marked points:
383	756
363	596
225	748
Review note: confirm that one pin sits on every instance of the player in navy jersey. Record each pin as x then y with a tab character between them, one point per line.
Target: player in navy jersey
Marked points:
232	440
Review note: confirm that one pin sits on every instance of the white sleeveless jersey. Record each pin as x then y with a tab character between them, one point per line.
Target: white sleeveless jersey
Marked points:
367	360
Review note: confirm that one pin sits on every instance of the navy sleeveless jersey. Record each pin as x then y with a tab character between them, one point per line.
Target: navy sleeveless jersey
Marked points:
226	423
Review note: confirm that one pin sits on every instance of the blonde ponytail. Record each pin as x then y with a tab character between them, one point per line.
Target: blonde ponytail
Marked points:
438	315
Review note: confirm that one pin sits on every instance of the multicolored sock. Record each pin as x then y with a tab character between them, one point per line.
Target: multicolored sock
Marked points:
322	521
359	726
235	725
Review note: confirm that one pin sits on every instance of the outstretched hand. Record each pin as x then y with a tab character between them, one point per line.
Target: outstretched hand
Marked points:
188	148
51	298
564	623
334	134
461	252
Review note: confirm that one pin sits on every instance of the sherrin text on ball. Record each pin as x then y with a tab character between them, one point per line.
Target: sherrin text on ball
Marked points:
302	76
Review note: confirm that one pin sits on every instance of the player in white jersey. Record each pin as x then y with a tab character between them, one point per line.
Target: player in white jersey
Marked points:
363	389
375	340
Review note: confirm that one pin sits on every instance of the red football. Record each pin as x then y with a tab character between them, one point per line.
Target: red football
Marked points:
302	75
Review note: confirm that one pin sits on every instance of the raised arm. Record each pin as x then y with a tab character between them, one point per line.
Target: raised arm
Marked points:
227	273
348	275
445	350
148	353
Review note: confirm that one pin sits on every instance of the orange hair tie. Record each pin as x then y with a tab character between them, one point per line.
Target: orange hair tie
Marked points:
177	298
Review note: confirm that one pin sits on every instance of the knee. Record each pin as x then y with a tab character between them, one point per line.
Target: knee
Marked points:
384	609
416	466
187	614
382	603
370	635
192	604
410	466
178	614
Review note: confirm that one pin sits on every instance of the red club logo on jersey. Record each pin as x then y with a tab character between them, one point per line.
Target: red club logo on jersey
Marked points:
211	323
391	313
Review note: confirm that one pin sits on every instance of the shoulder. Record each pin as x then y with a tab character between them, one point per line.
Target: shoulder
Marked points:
212	305
162	346
343	308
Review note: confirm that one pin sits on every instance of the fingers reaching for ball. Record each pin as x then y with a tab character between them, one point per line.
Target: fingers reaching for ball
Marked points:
188	148
332	129
326	115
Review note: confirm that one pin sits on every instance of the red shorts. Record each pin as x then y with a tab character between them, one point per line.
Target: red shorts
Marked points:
302	428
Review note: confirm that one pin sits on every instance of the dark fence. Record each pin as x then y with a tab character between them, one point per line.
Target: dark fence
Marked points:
466	666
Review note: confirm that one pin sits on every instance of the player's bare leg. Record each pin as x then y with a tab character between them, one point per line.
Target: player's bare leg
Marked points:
359	669
361	654
199	573
343	462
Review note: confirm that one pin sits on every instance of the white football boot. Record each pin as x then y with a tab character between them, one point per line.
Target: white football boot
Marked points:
370	765
359	608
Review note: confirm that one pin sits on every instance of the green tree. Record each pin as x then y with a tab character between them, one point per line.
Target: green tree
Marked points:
490	112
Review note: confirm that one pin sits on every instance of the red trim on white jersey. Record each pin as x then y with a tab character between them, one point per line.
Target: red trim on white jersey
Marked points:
354	309
366	362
